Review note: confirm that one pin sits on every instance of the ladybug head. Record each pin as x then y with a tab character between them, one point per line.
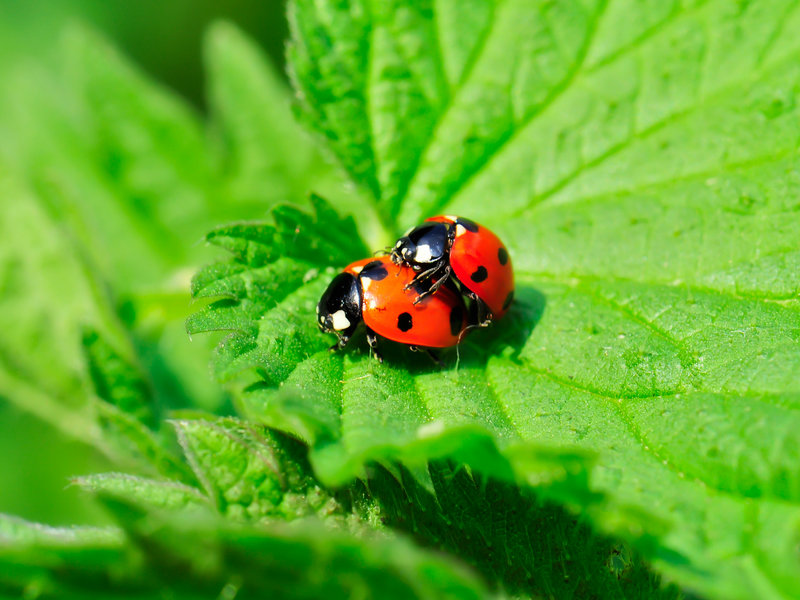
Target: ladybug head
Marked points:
404	251
422	246
339	308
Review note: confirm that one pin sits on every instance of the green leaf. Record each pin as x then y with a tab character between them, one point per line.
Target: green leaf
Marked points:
265	158
302	560
41	366
189	555
339	81
115	380
150	143
132	440
308	403
638	160
148	493
16	534
32	555
509	535
250	107
179	545
123	167
249	473
125	409
130	171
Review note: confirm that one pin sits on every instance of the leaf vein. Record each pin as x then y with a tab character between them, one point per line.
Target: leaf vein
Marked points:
644	134
413	172
637	318
512	134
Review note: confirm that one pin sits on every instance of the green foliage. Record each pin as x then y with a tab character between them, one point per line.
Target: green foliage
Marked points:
40	349
260	522
639	160
175	539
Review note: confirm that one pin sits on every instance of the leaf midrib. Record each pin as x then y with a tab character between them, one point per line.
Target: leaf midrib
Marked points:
555	93
408	180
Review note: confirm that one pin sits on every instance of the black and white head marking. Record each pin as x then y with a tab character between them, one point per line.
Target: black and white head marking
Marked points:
339	308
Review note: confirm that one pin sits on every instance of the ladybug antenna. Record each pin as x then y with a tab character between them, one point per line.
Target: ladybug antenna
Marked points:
465	330
458	343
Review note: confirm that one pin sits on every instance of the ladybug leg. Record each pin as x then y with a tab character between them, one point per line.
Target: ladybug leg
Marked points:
429	352
422	276
340	344
344	337
372	340
436	285
430	273
432	355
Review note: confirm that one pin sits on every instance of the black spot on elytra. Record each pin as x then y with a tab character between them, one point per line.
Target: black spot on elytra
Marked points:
374	270
456	319
404	322
470	226
507	301
502	255
480	274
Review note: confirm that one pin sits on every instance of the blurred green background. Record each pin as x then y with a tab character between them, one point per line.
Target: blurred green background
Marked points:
164	38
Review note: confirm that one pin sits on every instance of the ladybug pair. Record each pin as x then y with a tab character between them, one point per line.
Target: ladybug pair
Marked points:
440	279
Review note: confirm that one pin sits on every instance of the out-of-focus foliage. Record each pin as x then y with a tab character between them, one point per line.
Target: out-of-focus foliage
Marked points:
168	47
113	182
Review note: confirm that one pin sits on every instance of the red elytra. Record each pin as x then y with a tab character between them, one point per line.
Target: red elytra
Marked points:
481	263
355	268
389	310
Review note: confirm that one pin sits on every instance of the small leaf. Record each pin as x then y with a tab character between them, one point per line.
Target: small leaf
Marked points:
148	493
244	471
33	556
16	533
341	75
131	438
253	244
115	380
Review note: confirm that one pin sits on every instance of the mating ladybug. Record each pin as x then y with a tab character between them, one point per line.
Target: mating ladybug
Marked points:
389	305
447	247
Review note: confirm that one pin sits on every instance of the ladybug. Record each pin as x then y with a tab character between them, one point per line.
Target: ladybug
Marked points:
389	306
445	248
